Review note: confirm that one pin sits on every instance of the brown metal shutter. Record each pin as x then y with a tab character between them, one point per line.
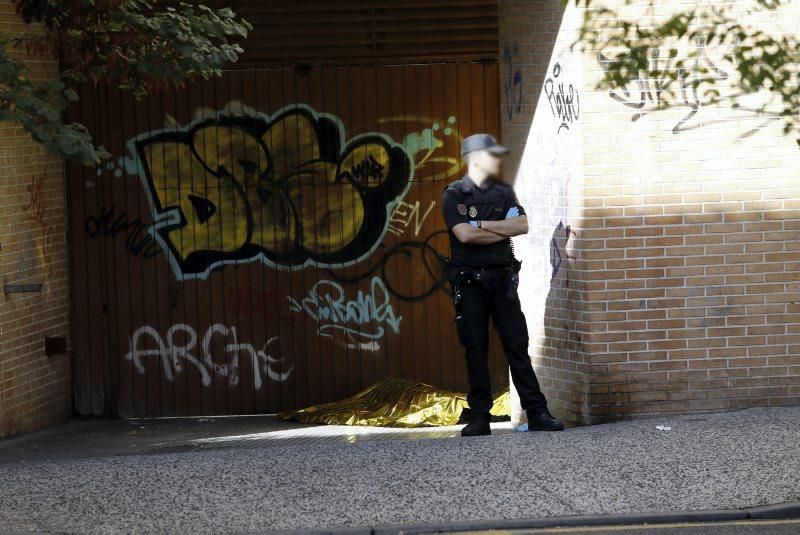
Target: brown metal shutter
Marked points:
367	31
229	330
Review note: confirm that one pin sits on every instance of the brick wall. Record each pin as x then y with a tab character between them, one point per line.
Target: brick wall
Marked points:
684	267
545	165
34	389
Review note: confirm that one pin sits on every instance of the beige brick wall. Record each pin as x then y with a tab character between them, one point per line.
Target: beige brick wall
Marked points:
687	228
34	389
545	164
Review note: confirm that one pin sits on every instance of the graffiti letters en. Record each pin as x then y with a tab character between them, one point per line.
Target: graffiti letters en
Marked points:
286	190
409	216
360	319
179	346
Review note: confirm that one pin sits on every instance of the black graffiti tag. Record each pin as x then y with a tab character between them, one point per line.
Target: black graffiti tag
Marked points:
109	223
650	92
397	260
564	100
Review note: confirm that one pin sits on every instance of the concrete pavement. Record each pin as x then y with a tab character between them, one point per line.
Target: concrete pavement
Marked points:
714	461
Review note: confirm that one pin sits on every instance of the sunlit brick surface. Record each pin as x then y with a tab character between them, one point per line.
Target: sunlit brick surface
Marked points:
678	288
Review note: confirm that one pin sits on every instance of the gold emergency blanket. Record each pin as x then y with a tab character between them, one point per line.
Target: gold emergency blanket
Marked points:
395	403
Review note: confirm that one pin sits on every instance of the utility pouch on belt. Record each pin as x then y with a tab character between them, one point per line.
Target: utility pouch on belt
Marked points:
512	282
458	277
455	275
451	274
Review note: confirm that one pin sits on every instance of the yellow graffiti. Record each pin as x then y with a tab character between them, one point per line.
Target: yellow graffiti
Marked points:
284	190
170	163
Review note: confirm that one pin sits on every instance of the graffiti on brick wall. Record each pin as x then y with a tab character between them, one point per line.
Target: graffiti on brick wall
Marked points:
35	240
286	190
179	348
651	90
548	191
558	248
512	81
563	98
37	203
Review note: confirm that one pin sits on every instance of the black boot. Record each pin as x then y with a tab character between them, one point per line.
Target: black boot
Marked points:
478	425
543	421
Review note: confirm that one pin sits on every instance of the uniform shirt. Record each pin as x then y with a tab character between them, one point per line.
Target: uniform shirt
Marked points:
462	202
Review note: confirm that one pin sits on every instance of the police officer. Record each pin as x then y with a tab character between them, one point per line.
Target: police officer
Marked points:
482	214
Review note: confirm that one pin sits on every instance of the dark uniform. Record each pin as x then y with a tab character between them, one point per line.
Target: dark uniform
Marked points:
484	280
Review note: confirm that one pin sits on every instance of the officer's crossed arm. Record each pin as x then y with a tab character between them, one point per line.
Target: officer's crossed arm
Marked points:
515	223
491	231
514	226
455	216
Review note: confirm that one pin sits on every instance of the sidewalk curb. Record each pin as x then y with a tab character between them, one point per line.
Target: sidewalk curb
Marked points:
768	512
775	512
568	521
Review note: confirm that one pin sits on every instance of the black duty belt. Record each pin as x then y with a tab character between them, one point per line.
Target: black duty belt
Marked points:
454	272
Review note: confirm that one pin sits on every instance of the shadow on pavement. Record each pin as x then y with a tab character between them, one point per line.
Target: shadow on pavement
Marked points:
111	438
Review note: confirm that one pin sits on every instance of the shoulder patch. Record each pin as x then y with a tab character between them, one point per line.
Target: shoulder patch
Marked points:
462	209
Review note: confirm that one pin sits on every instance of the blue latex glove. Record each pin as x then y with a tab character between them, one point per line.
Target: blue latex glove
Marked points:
512	212
474	224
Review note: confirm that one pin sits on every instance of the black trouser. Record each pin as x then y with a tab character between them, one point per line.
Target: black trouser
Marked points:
479	296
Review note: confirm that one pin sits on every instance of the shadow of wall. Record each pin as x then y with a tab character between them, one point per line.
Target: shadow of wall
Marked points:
563	364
